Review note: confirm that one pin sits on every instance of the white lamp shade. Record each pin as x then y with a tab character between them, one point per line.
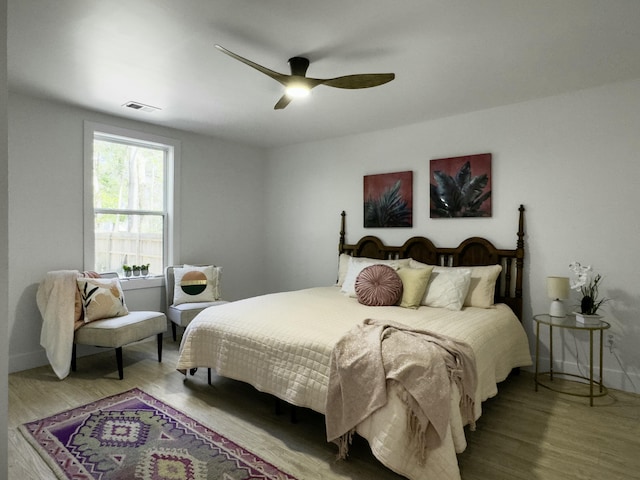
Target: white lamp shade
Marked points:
558	288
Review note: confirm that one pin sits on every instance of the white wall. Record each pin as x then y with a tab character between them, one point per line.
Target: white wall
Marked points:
220	186
4	245
572	160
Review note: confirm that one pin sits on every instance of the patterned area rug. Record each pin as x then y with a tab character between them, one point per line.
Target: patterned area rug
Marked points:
133	435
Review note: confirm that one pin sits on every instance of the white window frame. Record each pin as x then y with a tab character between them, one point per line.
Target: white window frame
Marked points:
172	166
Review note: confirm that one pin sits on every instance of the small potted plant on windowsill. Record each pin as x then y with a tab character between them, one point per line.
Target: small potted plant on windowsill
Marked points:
587	282
127	270
136	270
144	269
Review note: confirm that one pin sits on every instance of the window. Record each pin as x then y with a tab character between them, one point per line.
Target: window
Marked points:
129	200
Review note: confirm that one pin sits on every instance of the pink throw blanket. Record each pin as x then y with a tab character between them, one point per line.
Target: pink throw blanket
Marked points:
423	363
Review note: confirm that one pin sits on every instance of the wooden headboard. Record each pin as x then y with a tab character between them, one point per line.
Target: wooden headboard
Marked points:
474	251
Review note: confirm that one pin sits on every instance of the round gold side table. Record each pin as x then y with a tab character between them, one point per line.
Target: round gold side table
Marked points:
570	322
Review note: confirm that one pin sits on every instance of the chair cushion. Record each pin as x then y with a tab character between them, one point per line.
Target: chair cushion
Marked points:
119	331
185	312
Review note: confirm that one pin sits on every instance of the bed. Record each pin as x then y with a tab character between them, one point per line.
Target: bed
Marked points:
282	343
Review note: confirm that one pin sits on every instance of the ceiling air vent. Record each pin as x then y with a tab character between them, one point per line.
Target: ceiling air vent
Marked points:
140	106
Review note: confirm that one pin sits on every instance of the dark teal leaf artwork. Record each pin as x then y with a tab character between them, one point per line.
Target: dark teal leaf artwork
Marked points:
461	187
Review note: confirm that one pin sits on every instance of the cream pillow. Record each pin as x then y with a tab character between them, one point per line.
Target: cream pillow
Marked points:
416	264
447	288
357	264
343	266
196	284
101	298
483	286
414	283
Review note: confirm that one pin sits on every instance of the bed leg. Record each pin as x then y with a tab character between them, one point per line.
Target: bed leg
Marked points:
278	410
209	376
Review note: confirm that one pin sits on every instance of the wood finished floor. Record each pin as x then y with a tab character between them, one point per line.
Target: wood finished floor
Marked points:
521	435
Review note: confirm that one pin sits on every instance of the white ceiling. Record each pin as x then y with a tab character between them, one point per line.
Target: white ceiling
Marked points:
449	57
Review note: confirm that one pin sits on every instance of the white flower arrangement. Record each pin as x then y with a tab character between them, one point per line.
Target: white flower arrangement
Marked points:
587	282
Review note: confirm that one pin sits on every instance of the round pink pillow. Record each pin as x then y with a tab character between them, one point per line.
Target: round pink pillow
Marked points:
378	285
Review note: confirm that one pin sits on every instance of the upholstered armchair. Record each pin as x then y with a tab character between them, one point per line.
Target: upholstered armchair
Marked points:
123	328
89	309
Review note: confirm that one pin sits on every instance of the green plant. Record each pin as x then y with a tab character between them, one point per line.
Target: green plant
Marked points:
459	196
126	268
135	267
388	210
587	282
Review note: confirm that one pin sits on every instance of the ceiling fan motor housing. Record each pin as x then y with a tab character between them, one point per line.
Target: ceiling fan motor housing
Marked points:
299	65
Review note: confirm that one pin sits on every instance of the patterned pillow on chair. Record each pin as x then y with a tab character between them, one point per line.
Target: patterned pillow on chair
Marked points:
101	298
196	284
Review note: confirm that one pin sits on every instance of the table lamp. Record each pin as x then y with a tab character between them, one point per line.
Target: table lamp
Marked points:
558	290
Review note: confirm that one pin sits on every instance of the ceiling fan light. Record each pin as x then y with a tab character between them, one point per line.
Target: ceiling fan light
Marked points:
297	91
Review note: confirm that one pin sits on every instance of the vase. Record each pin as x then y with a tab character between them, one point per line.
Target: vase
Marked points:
586	319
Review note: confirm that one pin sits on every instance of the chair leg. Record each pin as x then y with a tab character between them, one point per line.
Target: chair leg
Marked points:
174	331
119	362
73	358
160	347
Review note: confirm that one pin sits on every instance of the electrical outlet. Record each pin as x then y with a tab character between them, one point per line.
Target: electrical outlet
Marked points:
611	342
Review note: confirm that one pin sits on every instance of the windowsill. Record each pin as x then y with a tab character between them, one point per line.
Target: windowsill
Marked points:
136	283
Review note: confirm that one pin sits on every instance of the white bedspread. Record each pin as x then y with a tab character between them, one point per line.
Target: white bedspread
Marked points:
282	343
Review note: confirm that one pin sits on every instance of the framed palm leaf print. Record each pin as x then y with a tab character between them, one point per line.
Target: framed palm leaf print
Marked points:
388	200
461	186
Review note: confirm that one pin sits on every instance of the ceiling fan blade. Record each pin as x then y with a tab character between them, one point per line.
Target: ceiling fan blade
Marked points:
363	80
280	77
283	102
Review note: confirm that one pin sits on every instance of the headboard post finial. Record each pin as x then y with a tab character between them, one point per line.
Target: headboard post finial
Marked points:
521	227
342	232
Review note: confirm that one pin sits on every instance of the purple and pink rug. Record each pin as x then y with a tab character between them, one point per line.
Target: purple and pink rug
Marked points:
133	435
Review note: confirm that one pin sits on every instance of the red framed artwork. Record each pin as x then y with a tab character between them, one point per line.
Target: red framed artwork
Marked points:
460	186
388	200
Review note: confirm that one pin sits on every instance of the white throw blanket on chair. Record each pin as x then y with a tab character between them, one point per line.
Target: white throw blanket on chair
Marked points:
56	300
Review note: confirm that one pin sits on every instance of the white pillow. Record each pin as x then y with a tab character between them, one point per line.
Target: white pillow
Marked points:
447	288
344	259
196	284
357	264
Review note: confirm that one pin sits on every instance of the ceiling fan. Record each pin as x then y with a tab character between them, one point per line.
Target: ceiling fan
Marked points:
298	84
